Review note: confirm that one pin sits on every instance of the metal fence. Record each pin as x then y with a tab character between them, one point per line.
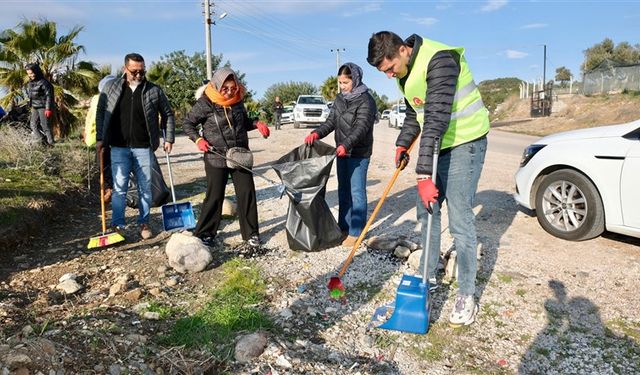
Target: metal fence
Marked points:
612	79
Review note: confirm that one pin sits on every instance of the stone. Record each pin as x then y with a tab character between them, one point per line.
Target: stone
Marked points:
409	244
281	361
229	208
69	286
402	252
187	253
27	331
134	295
451	268
151	315
117	289
67	276
414	260
383	242
250	346
14	361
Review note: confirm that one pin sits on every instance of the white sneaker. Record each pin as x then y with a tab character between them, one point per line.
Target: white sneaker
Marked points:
464	311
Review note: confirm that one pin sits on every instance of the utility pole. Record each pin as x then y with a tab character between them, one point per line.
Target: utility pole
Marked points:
337	51
207	36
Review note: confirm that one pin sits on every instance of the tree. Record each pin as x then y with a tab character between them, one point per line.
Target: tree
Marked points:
180	75
288	92
329	88
623	53
563	75
38	41
381	101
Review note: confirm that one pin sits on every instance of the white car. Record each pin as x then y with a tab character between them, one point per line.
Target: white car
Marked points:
310	109
287	114
583	182
397	115
385	114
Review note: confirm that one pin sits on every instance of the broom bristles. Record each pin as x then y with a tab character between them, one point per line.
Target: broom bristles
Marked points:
105	240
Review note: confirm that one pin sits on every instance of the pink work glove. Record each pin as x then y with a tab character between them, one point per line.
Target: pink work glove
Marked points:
203	145
263	129
312	137
341	151
428	192
48	113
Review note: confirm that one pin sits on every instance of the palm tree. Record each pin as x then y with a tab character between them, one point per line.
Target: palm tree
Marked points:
329	88
34	41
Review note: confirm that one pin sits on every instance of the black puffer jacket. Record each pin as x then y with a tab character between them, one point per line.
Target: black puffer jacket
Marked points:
353	122
155	104
40	93
234	131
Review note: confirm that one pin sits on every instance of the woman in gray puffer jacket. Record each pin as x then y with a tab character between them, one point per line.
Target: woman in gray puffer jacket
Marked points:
40	92
225	123
352	117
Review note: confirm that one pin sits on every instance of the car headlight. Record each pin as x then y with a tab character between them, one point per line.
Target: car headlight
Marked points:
529	152
325	110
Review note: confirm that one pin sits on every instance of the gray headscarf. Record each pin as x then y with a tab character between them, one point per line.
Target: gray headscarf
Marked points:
221	75
357	87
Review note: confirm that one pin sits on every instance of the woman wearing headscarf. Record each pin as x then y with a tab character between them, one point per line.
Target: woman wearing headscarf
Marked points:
352	117
225	123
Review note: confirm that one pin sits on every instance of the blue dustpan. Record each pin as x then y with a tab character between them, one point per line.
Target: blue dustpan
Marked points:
411	312
177	216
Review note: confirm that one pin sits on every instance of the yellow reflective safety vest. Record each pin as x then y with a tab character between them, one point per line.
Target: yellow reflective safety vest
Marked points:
469	116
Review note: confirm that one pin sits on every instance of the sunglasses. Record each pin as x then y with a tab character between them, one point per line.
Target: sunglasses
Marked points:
136	72
230	90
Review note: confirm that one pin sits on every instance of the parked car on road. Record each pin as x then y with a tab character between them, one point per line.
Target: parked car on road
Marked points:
287	114
397	115
583	182
310	109
385	114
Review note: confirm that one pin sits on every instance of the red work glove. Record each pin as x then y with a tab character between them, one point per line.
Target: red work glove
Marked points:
341	151
428	192
402	157
263	129
48	113
312	137
203	145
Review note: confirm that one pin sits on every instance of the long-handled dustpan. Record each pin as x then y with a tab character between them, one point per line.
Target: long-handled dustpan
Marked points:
411	312
106	238
336	287
176	216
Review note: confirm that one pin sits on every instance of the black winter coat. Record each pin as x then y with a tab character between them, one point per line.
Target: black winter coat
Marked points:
353	122
234	131
40	93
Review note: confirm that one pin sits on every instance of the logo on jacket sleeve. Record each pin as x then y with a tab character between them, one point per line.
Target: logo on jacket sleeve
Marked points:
417	101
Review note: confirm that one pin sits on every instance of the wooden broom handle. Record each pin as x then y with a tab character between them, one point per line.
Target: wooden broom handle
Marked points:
347	262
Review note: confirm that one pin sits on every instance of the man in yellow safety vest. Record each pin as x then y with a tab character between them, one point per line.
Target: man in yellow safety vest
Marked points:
442	102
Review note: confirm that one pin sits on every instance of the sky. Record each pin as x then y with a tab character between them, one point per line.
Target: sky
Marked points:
302	41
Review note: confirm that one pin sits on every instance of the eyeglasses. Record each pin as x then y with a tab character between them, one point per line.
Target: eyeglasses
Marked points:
228	90
136	72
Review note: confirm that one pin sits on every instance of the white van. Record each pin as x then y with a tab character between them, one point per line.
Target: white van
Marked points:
397	115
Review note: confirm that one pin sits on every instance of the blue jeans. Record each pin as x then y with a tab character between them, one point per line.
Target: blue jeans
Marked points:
457	181
123	161
352	194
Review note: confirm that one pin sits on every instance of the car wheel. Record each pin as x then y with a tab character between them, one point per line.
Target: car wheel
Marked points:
569	206
296	125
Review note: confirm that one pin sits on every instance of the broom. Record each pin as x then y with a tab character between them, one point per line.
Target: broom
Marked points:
104	239
336	287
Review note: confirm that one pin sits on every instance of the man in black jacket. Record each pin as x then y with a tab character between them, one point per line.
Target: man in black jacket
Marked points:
127	122
40	92
278	108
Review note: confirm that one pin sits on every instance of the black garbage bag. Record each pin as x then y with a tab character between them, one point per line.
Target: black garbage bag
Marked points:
305	171
160	193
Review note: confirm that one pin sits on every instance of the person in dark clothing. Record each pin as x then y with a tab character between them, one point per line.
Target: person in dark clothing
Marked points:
443	102
40	93
278	108
127	117
352	117
225	123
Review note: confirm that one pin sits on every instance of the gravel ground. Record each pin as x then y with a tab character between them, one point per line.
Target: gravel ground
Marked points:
546	305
